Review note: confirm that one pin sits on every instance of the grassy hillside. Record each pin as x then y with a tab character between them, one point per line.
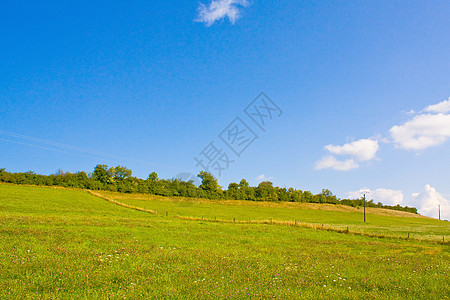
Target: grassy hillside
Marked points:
57	243
378	221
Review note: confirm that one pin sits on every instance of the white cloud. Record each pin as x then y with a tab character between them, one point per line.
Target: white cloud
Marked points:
423	131
441	107
330	162
263	177
427	203
219	9
362	150
385	196
429	127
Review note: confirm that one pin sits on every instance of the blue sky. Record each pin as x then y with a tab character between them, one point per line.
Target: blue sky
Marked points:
363	87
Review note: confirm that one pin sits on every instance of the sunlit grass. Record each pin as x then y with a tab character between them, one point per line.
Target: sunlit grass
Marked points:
66	244
379	221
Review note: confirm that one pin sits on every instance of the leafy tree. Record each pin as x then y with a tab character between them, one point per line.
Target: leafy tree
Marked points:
121	173
243	184
326	192
249	193
265	190
233	191
307	196
120	179
273	196
103	175
209	183
282	194
233	186
295	195
153	176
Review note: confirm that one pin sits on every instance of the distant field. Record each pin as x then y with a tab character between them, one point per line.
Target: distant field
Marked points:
378	221
69	244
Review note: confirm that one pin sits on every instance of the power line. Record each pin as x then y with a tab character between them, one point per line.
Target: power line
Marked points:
52	143
63	148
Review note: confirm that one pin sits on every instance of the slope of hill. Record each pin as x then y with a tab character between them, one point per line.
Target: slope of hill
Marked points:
57	243
380	222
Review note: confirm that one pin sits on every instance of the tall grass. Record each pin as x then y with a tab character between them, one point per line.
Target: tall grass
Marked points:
65	244
380	222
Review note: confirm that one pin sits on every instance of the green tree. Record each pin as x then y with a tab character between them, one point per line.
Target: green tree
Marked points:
102	174
209	183
283	194
233	191
307	197
153	176
121	173
326	192
329	197
265	190
243	184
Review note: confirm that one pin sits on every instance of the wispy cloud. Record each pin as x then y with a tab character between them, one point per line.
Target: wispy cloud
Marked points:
220	9
330	162
263	177
441	107
360	150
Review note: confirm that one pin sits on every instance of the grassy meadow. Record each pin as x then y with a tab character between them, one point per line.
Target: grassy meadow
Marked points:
69	244
380	222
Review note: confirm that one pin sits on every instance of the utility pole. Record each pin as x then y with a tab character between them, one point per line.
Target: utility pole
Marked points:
364	208
439	206
364	199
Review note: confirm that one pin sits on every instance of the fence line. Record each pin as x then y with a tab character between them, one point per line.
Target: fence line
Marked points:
345	229
326	227
121	204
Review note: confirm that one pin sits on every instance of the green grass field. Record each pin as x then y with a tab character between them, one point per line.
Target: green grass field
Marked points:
382	222
69	244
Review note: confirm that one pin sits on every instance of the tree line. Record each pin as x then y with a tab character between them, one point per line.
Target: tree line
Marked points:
120	179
